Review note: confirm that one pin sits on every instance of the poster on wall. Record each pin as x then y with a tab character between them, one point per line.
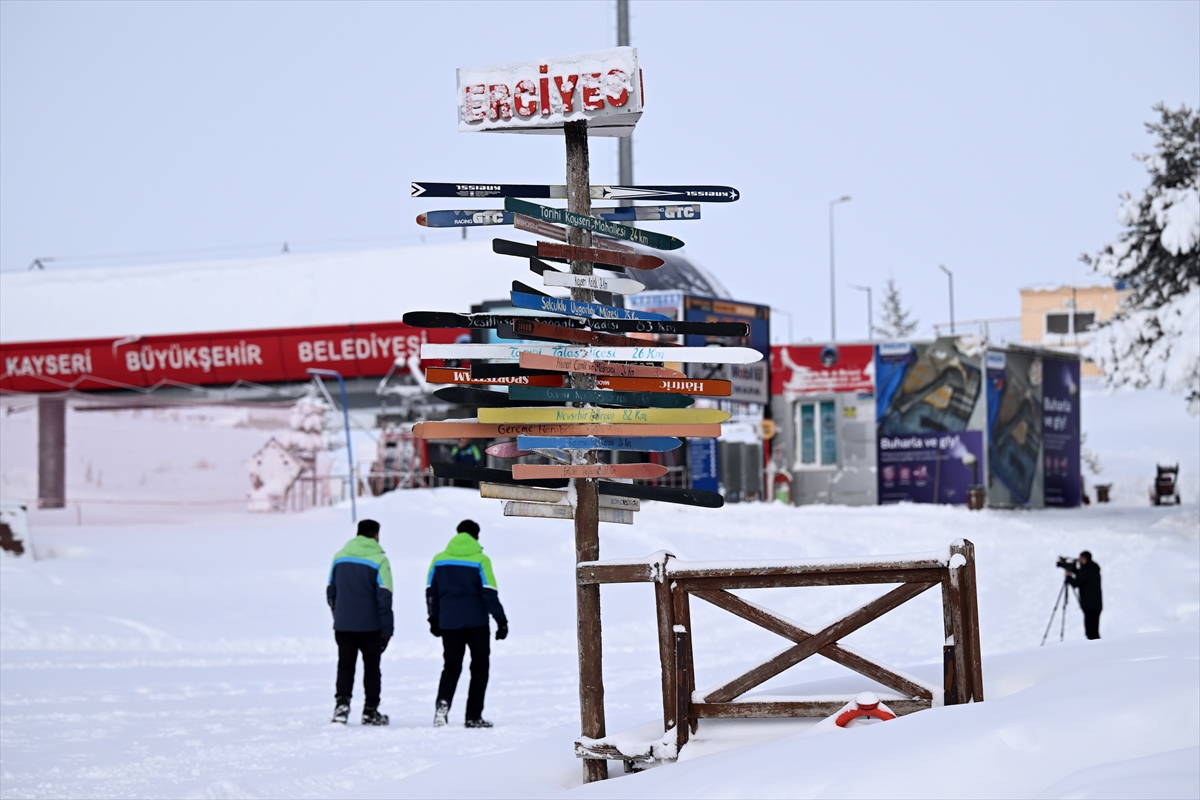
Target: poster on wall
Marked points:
1060	433
1014	400
929	468
702	464
929	435
750	382
822	369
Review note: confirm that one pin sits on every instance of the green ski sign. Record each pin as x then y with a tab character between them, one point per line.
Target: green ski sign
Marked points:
561	216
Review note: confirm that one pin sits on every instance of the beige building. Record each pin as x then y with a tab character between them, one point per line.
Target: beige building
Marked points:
1062	317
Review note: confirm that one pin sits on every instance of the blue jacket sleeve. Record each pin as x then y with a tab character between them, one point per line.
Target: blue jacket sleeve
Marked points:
491	599
431	599
383	596
331	593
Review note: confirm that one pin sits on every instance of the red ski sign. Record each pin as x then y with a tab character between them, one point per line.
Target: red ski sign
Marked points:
603	87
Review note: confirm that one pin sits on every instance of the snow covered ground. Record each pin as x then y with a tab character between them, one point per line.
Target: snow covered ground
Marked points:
192	657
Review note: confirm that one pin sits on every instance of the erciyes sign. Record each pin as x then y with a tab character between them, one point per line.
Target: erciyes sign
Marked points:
603	87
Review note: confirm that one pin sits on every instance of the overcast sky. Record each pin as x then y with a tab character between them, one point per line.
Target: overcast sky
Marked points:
992	138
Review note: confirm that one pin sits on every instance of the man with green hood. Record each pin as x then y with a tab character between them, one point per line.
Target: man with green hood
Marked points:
359	594
460	594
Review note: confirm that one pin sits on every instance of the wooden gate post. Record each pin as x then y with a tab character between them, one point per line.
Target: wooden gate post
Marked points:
684	673
956	677
587	497
665	614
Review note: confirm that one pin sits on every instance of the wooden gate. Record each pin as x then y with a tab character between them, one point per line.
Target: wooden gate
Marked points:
676	582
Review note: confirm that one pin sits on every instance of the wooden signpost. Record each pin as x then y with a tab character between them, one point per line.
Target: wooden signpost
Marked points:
528	471
691	194
597	93
607	416
658	241
447	319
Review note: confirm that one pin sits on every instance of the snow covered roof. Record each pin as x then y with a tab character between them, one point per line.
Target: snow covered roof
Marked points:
280	291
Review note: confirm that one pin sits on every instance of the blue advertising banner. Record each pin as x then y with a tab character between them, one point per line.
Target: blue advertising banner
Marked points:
1060	433
702	464
929	467
1014	400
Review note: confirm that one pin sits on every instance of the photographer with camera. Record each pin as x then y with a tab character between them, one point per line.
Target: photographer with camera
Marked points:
1084	575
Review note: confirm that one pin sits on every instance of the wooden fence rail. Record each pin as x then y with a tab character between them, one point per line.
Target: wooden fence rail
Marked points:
676	582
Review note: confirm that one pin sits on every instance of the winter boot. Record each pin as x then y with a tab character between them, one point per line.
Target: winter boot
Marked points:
371	716
341	712
440	714
478	723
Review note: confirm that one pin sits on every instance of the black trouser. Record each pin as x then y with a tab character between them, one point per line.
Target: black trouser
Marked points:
350	644
454	645
1091	623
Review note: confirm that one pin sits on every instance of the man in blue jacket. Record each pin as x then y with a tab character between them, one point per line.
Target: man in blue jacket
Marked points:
360	596
460	595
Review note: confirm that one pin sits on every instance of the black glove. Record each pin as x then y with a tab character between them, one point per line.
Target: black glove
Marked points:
501	632
386	639
434	629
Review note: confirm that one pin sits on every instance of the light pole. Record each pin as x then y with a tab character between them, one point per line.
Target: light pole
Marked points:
832	273
950	275
317	375
870	318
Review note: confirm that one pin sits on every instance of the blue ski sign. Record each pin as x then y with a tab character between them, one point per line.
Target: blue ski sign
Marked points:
574	308
641	444
561	216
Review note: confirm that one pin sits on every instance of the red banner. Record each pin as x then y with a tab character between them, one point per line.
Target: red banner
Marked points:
822	369
262	356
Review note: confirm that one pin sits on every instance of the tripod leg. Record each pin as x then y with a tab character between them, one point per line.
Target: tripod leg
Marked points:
1053	611
1066	601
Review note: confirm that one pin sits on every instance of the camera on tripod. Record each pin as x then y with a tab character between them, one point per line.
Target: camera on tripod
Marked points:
1067	563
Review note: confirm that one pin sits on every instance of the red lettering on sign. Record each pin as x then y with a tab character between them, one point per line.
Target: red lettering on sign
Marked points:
475	103
616	87
526	89
592	101
499	102
566	91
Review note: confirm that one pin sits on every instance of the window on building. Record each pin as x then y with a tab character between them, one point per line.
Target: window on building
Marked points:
1064	324
816	425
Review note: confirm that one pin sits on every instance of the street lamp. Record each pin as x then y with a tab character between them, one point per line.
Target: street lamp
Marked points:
832	279
870	319
950	275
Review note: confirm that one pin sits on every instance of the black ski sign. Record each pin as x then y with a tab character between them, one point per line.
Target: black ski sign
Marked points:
691	194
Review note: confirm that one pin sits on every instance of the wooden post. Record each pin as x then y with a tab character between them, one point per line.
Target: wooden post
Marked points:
587	497
52	451
968	596
949	697
666	644
685	676
959	630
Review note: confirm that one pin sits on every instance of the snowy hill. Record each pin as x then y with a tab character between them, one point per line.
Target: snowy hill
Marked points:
194	659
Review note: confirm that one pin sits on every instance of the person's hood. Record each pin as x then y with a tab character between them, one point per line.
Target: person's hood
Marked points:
463	544
362	547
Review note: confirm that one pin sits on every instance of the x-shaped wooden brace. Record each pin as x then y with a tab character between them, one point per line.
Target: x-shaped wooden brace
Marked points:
823	642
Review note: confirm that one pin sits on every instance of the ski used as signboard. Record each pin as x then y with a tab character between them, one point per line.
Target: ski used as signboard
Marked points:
472	218
461	375
537	361
706	387
597	257
691	355
486	369
685	497
466	396
539	228
461	472
532	494
639	444
604	416
562	216
599	283
688	194
575	308
520	394
504	247
671	327
472	429
449	319
525	331
543	471
507	450
516	508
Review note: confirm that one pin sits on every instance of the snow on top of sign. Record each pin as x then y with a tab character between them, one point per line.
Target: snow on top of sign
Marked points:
279	291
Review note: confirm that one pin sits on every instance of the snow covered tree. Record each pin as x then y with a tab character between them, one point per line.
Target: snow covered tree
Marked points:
1154	339
896	322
